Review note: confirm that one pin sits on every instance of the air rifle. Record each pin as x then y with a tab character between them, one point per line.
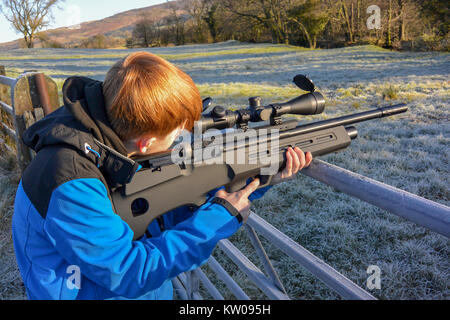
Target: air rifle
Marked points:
225	150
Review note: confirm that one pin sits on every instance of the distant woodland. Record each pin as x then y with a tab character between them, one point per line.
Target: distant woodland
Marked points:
397	24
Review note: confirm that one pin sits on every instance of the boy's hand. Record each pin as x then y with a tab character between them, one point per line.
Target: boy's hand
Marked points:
239	199
296	160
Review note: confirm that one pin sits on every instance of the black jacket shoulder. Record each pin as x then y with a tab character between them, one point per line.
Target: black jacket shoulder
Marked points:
53	167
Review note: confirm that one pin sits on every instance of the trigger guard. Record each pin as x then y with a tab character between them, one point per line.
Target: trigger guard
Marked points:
264	181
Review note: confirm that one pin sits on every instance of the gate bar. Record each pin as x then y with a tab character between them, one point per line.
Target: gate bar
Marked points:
333	279
252	271
208	285
227	279
426	213
264	258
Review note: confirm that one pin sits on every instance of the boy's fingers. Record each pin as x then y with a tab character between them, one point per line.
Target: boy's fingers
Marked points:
289	161
296	160
301	158
309	159
250	188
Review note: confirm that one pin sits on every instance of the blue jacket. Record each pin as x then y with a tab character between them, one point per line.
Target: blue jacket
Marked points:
69	242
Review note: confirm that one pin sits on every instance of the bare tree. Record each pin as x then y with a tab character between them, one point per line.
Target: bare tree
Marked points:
269	13
392	16
176	22
28	16
196	9
311	20
211	18
409	16
347	15
145	33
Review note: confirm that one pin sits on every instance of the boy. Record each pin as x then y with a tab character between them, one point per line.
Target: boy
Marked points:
64	224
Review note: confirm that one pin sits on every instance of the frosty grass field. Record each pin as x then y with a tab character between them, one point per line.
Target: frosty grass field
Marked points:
409	151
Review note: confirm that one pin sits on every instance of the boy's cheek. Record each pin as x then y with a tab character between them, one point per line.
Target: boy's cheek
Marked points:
161	146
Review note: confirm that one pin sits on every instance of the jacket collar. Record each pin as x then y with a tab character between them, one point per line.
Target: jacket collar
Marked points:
82	124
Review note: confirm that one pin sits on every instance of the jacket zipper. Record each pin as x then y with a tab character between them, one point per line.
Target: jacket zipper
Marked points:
161	223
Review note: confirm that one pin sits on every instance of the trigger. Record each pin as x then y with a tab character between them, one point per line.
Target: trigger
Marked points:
264	180
235	187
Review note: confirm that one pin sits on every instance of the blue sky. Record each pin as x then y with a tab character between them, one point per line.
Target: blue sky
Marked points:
74	11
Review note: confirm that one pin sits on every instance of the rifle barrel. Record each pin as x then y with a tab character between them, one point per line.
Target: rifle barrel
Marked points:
346	120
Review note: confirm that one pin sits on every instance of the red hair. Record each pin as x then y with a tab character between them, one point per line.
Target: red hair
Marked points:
145	94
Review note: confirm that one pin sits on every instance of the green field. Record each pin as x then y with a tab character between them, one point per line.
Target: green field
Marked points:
409	151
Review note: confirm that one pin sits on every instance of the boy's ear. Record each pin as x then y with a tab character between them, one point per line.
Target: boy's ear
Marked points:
144	144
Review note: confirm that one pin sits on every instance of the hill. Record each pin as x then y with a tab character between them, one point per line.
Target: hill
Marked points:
119	26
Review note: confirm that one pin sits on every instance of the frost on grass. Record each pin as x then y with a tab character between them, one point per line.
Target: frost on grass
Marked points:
409	151
11	286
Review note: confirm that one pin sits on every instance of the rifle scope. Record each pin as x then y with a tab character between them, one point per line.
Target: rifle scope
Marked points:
308	104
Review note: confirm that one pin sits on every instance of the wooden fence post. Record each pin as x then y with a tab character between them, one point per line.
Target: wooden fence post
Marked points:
5	97
2	94
32	94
